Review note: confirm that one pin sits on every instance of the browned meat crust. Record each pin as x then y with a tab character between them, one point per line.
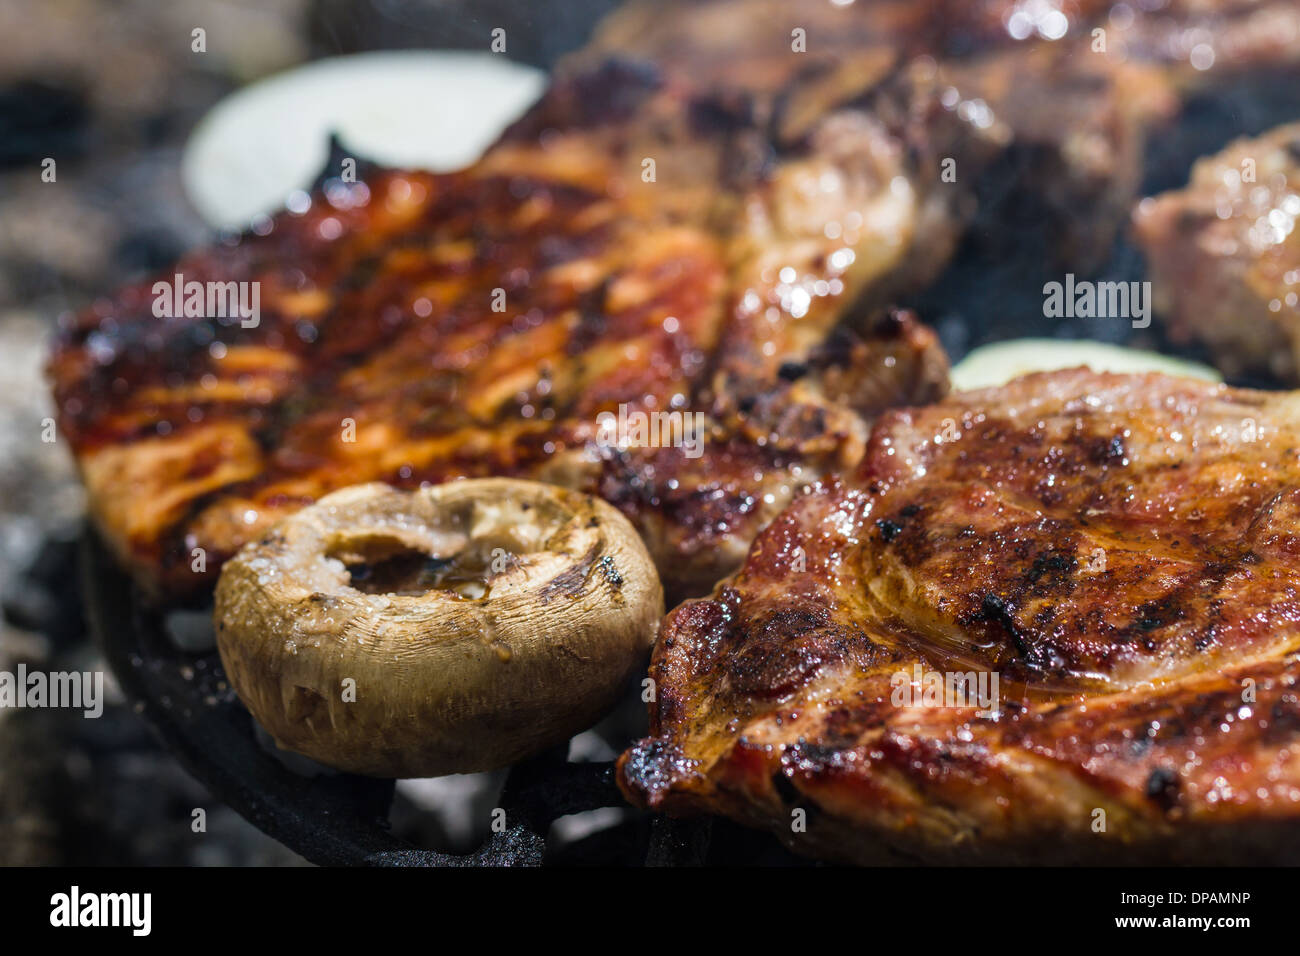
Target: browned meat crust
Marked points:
1224	255
416	328
1197	43
1120	550
792	187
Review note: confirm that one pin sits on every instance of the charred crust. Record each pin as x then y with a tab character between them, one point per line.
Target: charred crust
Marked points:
650	769
996	609
1034	655
889	530
1110	451
792	371
893	323
726	111
606	93
1163	787
785	789
1057	568
1154	615
783	651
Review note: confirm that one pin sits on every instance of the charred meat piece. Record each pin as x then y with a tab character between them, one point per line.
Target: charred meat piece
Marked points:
1074	89
1072	126
640	241
1197	43
1205	43
705	194
744	47
1120	551
1224	255
765	441
1065	124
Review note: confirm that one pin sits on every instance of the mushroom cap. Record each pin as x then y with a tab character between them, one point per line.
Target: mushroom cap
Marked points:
543	606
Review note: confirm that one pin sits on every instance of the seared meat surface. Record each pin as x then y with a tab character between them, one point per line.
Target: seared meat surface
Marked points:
1224	255
636	240
1202	43
1197	43
1120	550
1073	127
704	196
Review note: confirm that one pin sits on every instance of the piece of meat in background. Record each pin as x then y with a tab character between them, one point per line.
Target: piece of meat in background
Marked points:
1224	255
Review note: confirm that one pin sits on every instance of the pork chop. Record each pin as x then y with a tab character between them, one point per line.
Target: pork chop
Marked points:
640	242
1224	255
1120	551
705	195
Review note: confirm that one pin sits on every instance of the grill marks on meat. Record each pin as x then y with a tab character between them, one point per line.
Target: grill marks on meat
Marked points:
400	339
1116	548
380	356
1224	255
768	439
793	192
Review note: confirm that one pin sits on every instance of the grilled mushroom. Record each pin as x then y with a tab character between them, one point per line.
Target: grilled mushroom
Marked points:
451	629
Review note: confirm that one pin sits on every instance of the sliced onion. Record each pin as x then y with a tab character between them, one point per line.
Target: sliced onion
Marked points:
1000	362
434	110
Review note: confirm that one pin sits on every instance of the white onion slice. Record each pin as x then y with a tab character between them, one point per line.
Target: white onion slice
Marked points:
434	110
1000	362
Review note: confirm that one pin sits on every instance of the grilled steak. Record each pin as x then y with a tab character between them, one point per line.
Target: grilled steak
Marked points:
1073	127
703	197
419	327
1224	255
1119	550
1198	43
1206	43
